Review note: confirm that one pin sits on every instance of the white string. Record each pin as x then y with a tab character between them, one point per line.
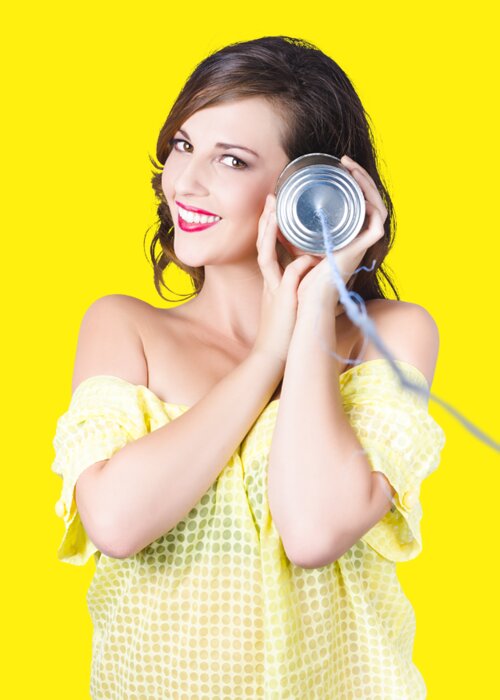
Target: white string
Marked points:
360	318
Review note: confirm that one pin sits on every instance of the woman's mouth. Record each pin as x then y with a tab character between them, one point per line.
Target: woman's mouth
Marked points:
194	222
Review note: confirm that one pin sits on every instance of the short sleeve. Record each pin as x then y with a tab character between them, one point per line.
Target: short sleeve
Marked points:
401	440
105	413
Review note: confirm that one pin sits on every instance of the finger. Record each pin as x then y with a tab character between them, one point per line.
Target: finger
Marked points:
263	220
372	221
366	182
267	256
374	229
371	192
351	164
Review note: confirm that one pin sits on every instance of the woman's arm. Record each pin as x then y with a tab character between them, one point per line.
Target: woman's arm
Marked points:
323	494
152	483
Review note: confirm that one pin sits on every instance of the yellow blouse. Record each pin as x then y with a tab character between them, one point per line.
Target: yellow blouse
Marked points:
213	608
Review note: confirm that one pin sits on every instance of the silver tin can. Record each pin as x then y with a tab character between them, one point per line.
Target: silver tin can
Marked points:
313	182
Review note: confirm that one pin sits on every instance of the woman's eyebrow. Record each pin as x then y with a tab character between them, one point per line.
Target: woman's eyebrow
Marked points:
223	145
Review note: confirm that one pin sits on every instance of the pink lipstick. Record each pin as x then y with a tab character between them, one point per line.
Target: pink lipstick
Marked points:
195	210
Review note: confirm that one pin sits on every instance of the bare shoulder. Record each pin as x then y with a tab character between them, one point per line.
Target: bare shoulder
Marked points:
109	340
395	311
408	330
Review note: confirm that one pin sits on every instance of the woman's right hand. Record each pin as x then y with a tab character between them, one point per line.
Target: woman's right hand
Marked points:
279	303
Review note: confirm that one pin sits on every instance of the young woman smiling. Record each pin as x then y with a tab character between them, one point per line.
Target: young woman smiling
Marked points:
246	495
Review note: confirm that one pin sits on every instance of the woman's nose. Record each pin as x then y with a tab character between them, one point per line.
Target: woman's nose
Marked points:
192	178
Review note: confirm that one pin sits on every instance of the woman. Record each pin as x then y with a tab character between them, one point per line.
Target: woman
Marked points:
233	480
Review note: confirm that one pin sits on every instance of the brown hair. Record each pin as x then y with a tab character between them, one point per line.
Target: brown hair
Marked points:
321	112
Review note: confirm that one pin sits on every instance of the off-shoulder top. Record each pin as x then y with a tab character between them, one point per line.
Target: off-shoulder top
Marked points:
213	608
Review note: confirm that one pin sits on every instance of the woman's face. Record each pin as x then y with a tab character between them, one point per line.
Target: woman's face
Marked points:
229	182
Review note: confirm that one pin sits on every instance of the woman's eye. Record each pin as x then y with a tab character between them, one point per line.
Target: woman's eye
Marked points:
174	142
241	164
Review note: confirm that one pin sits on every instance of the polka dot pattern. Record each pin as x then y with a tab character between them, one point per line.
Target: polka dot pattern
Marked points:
213	608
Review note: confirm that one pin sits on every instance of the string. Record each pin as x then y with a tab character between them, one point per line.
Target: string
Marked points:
355	309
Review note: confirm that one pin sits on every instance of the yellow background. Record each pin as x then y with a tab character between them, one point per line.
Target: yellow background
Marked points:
86	89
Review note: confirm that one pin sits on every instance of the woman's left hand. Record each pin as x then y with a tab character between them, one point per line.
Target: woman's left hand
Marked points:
317	285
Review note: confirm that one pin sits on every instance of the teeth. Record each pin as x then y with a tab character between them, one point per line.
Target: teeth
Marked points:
193	218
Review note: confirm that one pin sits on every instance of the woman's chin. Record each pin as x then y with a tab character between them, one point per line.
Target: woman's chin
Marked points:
187	258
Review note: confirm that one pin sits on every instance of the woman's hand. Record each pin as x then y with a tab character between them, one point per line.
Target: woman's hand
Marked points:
318	287
279	303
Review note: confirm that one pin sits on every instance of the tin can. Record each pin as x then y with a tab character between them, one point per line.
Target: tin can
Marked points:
314	182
